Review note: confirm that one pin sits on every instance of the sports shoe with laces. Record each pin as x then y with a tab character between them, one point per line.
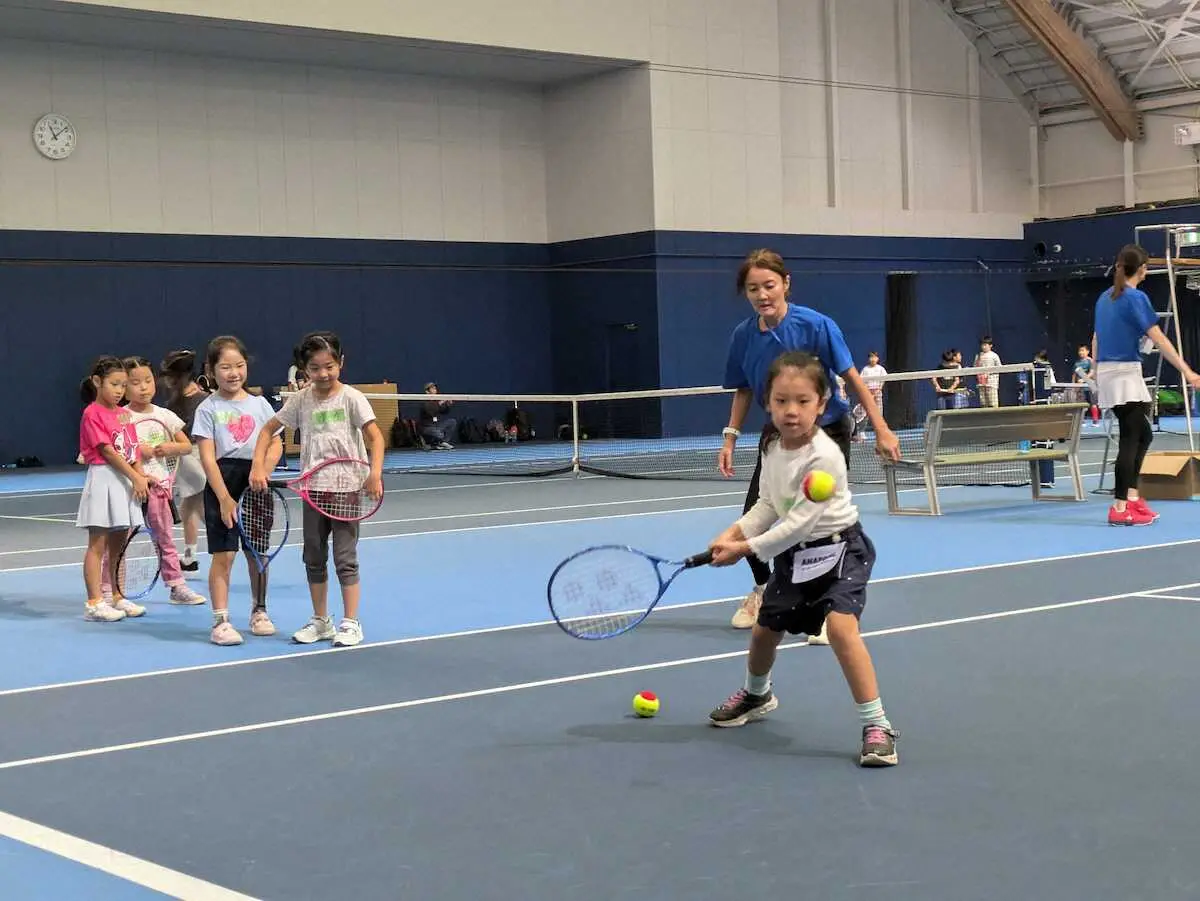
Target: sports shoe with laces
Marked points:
878	747
741	707
746	615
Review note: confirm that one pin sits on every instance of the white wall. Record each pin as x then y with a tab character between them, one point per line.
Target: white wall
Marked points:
204	145
599	158
1083	167
609	28
780	150
717	157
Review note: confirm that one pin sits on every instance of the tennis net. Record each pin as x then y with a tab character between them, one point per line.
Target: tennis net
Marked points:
667	433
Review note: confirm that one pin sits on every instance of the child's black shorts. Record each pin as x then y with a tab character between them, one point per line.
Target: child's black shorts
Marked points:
802	608
236	474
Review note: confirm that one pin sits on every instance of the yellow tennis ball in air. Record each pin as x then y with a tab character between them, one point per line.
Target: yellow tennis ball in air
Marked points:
819	486
645	703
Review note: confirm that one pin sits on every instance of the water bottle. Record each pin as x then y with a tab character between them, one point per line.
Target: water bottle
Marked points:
1024	447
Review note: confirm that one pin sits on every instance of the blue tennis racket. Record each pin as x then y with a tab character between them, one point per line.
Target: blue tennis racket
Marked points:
262	518
607	590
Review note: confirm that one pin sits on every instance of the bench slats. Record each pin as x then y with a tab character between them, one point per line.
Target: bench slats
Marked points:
946	430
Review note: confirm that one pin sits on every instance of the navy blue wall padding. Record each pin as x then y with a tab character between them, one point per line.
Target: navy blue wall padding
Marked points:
630	311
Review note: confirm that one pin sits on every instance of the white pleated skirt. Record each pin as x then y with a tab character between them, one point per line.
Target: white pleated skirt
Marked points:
107	501
189	477
1121	383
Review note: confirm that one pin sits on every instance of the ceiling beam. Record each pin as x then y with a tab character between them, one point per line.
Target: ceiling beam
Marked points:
1151	104
1094	78
987	61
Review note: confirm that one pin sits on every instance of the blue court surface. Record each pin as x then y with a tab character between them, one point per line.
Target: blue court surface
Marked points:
1038	664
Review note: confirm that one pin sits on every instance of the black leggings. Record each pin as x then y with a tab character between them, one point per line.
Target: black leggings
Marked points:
1133	419
840	431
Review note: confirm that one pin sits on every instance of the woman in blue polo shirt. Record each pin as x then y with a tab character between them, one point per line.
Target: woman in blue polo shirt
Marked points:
778	326
1123	316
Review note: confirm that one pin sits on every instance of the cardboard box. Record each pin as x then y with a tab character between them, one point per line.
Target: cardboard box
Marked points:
1170	476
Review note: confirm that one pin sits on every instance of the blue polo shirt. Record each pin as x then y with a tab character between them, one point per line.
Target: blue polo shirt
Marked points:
1120	324
752	351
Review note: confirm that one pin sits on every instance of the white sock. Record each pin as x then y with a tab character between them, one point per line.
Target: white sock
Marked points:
871	713
220	616
189	552
758	685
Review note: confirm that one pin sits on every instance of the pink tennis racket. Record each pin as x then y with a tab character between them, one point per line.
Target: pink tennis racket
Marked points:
335	489
151	433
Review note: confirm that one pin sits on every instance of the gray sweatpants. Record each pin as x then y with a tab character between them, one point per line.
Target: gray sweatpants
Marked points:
317	529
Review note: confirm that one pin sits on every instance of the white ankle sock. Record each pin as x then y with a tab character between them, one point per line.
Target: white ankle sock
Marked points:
758	685
871	713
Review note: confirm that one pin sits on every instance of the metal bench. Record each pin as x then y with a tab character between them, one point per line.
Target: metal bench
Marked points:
953	438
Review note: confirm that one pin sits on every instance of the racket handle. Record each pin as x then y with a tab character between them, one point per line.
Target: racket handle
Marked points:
699	560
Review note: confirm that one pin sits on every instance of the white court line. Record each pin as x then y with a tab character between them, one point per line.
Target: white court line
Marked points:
1167	597
171	883
55	518
506	525
423	532
390	643
46	492
587	506
983	567
525	686
556	522
517	627
543	480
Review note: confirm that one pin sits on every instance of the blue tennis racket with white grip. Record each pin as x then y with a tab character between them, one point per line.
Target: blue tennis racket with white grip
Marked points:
605	591
262	519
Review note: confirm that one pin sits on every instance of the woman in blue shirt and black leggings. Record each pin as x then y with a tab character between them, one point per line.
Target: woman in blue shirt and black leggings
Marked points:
1123	316
776	326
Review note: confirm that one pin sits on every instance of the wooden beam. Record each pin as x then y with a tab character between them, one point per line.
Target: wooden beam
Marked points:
1093	77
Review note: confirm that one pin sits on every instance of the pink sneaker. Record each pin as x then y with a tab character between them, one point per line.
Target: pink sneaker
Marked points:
1131	517
1141	506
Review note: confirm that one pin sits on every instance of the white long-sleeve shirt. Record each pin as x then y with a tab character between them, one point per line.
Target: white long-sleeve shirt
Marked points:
783	517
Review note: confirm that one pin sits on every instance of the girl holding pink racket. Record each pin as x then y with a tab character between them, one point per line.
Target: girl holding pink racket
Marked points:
341	456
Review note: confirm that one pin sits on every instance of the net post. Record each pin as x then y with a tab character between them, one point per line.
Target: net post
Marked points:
575	435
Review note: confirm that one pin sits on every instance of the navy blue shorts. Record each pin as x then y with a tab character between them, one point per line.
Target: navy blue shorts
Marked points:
236	474
802	608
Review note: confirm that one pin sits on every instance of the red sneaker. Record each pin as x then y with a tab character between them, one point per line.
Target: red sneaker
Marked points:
1131	517
1141	507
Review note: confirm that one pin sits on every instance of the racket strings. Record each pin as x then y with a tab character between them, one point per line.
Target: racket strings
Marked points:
337	490
153	433
602	592
137	570
260	512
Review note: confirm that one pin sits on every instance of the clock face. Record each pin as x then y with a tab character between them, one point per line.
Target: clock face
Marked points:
54	136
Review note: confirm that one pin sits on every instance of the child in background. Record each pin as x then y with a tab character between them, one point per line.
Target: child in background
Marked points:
822	557
160	516
115	486
989	383
1043	388
226	423
186	395
872	377
1082	375
333	419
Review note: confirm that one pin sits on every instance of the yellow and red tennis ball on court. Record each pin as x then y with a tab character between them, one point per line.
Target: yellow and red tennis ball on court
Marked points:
645	703
819	486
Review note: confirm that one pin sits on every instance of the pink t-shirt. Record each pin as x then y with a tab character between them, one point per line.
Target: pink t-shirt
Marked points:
101	425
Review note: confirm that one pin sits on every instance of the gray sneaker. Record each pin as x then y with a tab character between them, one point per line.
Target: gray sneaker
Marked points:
316	629
741	707
878	747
